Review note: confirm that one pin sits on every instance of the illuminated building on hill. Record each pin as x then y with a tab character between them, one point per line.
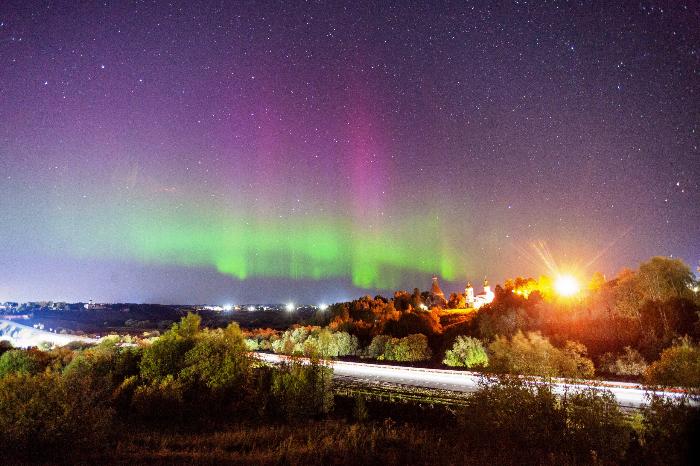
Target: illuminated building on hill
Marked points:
476	301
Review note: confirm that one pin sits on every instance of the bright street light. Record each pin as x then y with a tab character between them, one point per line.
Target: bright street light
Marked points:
566	286
323	307
290	307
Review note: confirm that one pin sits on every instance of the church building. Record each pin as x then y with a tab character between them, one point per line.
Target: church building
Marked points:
476	301
437	296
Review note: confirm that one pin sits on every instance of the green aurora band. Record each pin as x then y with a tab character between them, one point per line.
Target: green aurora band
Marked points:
244	245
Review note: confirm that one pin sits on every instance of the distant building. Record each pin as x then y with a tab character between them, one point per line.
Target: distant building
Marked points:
93	306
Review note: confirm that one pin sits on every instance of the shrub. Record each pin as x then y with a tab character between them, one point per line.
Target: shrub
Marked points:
530	421
105	363
252	344
533	354
678	365
595	426
302	390
50	413
164	357
466	352
670	429
160	400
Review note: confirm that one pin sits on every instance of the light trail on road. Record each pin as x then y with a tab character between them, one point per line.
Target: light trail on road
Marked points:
24	336
628	395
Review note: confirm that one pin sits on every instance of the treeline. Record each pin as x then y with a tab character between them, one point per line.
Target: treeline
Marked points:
313	341
642	325
197	395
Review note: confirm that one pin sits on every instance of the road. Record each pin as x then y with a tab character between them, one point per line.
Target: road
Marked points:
627	394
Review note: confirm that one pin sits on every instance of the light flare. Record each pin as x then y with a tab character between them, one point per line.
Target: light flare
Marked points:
567	285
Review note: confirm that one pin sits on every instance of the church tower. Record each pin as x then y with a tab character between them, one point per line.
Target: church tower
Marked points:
435	290
469	295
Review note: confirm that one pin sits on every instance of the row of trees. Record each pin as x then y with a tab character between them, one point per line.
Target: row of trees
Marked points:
326	343
532	354
308	341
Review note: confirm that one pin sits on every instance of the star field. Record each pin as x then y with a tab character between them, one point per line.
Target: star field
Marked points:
258	152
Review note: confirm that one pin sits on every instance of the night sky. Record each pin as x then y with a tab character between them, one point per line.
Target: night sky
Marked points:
213	152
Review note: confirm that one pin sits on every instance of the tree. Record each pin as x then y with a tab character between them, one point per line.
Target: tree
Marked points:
377	346
411	348
166	356
663	278
188	327
347	344
457	301
628	364
658	280
596	282
327	344
18	361
467	352
572	361
218	360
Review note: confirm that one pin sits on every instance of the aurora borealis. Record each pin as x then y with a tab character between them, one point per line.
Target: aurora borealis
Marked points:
195	152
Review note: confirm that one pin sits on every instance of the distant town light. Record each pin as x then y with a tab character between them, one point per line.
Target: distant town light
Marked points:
228	307
323	307
290	307
251	308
